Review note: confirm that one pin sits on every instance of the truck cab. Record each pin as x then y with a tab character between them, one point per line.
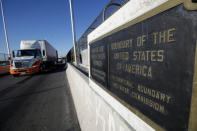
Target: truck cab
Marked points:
33	56
26	61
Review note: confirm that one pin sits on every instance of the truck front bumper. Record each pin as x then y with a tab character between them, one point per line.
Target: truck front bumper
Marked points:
14	71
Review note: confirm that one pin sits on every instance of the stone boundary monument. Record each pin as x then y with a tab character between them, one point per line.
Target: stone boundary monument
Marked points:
149	64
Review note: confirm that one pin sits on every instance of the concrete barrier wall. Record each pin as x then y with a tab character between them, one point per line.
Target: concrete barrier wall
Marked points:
97	110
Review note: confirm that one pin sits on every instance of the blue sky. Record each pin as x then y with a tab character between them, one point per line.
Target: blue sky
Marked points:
47	19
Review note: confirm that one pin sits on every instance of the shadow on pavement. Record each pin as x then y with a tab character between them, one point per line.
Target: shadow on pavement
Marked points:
30	93
13	87
10	108
54	69
27	77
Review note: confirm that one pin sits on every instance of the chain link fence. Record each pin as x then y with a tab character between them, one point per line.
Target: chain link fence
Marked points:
109	9
82	43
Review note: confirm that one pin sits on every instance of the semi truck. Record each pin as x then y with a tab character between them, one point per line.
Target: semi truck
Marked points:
33	56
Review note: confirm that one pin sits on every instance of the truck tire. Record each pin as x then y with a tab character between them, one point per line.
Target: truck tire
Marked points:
42	67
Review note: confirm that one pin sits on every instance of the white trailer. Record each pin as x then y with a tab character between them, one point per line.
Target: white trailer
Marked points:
48	52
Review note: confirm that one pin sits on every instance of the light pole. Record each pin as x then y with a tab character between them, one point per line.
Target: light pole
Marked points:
5	31
73	29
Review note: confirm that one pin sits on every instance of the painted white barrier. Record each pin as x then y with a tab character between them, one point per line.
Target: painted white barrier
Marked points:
130	11
97	110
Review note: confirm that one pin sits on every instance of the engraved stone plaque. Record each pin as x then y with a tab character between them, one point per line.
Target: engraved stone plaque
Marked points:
151	66
98	62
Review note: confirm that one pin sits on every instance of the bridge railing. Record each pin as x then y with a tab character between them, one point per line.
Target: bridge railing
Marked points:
4	63
82	44
4	59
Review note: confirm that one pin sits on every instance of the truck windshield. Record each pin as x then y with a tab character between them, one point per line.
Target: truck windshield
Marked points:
21	53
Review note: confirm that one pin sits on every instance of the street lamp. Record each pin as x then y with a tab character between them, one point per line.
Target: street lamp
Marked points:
73	29
5	31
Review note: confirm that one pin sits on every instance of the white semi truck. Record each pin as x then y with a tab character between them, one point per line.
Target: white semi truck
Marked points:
33	56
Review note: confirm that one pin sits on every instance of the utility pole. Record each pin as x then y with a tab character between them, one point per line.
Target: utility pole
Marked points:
5	31
73	29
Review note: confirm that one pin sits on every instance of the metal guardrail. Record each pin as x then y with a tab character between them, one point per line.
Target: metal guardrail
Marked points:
109	9
82	43
4	59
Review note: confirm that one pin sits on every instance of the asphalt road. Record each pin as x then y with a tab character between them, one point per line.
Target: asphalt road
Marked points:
39	102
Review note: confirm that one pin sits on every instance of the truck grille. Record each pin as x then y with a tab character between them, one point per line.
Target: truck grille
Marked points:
21	64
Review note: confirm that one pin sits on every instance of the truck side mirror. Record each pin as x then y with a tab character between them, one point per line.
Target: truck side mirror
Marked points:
13	54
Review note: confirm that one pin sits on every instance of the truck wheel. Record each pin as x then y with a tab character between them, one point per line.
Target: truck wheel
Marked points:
42	67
